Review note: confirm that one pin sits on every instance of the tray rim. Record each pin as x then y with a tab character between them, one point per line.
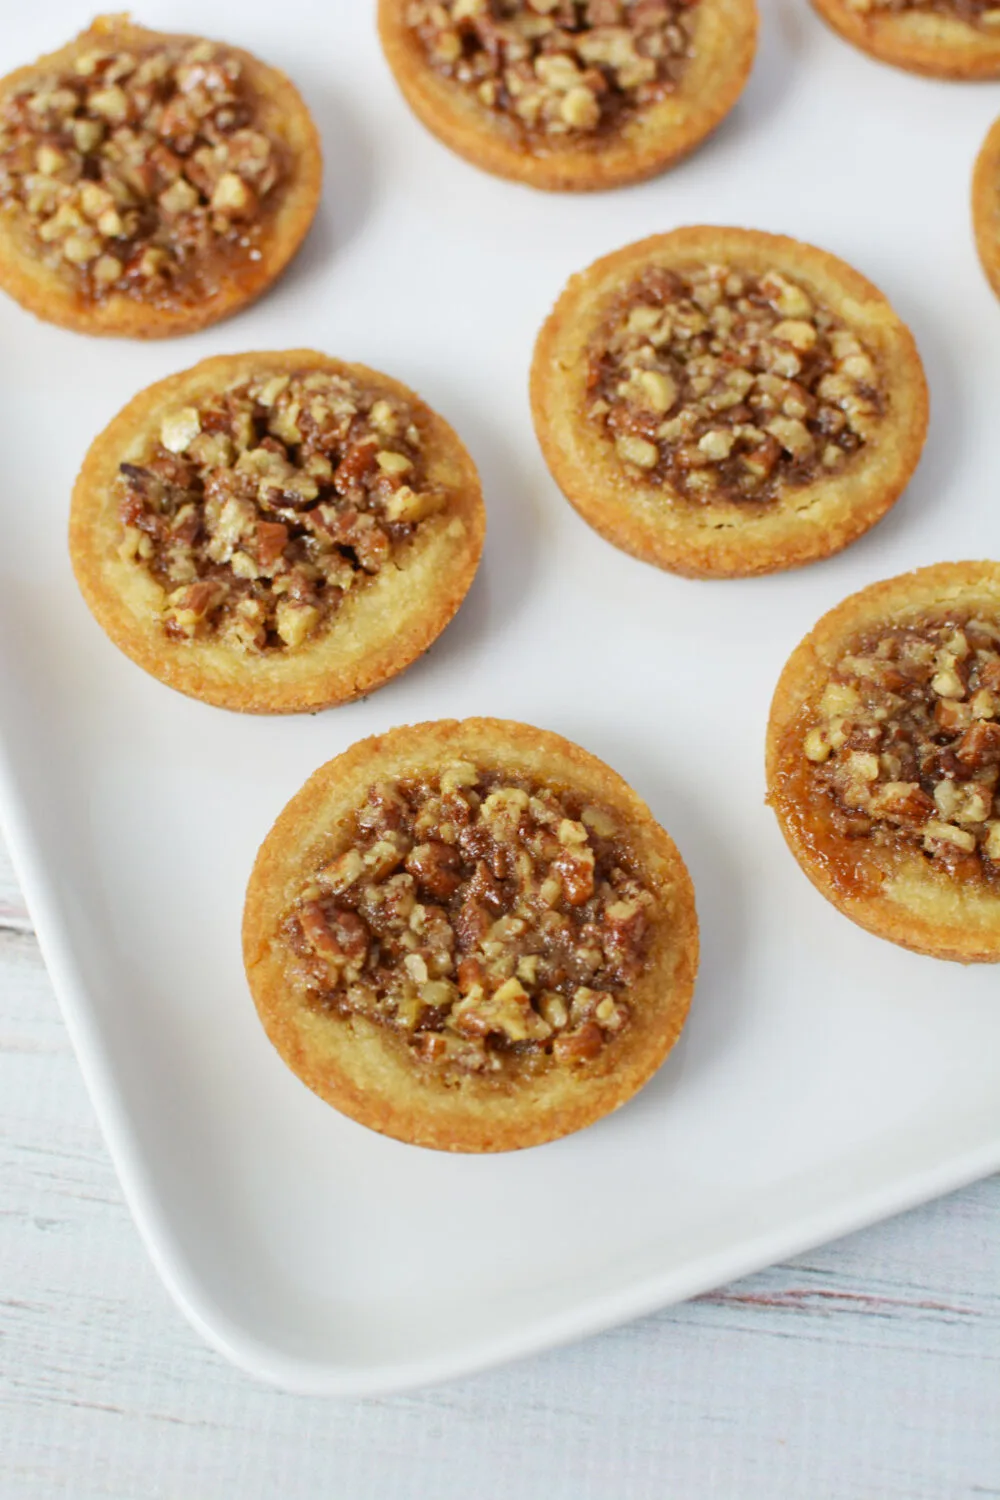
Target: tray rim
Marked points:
637	1296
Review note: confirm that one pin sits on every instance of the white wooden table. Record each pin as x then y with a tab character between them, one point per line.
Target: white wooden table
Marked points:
867	1369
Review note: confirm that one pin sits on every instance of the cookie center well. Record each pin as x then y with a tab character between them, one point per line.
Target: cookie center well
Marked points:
723	384
259	509
142	172
905	742
561	69
492	923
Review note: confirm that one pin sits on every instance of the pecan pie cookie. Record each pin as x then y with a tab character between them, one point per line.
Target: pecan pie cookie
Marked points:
944	38
470	935
570	94
883	759
150	184
723	402
276	532
986	205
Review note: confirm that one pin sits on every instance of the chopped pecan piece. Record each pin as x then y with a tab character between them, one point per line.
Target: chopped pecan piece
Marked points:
979	747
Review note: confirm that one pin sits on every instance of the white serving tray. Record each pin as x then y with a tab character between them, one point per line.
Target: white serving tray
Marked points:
825	1078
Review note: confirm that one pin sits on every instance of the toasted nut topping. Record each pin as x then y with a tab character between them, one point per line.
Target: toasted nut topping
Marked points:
179	198
435	923
260	508
157	152
558	68
816	747
905	747
580	109
599	822
636	450
717	443
947	684
944	833
179	430
231	194
764	388
656	391
800	335
111	103
393	463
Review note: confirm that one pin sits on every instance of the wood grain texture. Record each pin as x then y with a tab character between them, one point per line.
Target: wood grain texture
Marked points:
869	1368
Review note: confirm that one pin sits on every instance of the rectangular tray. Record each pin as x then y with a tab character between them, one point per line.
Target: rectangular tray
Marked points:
824	1079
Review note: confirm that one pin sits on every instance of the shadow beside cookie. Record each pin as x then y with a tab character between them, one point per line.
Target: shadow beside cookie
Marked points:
348	179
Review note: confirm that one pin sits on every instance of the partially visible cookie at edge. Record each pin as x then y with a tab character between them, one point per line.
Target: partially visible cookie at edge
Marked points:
723	402
276	532
883	759
471	936
986	205
939	39
573	94
150	183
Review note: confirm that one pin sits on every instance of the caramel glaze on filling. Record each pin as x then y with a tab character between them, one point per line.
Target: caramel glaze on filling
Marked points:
980	13
259	509
561	69
727	385
142	172
903	749
492	924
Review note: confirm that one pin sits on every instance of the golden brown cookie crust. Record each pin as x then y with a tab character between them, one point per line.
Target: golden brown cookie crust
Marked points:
986	205
375	634
724	539
364	1070
724	47
892	892
53	295
919	41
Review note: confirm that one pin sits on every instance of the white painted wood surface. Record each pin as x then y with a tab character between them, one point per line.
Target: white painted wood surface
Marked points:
867	1370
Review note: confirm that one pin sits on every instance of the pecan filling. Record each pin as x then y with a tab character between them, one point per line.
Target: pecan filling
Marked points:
979	13
907	743
559	68
724	385
141	173
494	925
257	511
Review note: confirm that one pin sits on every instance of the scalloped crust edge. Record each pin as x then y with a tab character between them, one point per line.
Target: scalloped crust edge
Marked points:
900	896
724	540
376	633
366	1072
53	297
652	141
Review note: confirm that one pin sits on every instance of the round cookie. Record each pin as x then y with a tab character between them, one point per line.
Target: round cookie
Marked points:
724	402
573	94
150	183
986	205
934	39
470	935
276	532
883	759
